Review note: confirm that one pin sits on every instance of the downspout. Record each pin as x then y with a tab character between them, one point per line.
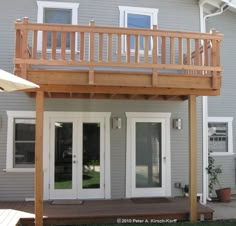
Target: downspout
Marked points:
205	196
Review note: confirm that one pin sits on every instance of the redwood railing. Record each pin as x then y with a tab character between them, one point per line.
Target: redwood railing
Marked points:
107	47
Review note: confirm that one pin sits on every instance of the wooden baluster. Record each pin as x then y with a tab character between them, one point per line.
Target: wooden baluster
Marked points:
163	50
206	53
137	44
197	54
18	44
172	50
180	50
189	54
109	47
54	45
72	46
63	45
119	48
128	46
44	45
154	58
91	54
81	48
146	49
100	47
35	44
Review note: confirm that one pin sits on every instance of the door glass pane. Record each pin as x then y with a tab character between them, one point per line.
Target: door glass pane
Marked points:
148	155
63	155
91	155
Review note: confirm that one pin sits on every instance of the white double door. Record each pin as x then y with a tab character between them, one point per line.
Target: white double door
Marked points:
76	158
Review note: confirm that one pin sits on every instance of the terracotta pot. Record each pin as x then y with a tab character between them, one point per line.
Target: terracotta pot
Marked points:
224	194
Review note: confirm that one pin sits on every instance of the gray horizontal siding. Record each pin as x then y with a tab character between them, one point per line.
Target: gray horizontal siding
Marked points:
175	15
224	105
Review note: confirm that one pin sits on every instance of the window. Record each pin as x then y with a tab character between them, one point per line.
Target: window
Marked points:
59	13
220	135
137	17
20	141
24	143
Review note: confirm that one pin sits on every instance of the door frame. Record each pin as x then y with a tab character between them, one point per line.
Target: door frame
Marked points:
164	118
48	116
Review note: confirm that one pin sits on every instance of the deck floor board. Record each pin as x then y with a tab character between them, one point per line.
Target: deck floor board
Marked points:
97	211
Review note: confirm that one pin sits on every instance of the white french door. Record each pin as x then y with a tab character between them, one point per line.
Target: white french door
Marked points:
77	158
148	155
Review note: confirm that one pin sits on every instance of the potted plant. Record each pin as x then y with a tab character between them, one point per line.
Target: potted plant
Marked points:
223	194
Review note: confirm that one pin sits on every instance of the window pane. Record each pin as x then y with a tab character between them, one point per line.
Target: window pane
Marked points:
58	16
218	136
148	155
24	155
24	130
91	155
139	21
63	155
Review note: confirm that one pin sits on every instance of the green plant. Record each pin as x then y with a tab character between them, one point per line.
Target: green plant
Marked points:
213	172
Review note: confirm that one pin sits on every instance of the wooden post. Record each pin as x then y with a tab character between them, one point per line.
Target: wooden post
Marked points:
39	159
193	158
91	53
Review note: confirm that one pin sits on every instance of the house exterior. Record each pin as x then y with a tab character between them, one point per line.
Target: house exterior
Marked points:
110	94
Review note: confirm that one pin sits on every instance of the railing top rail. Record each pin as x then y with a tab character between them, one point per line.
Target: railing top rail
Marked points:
116	30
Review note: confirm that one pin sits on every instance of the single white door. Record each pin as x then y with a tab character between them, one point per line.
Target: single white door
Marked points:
77	158
149	157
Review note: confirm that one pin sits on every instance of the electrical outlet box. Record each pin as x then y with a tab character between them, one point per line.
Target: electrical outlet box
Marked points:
177	184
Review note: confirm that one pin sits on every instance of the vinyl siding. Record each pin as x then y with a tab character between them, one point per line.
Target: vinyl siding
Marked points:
176	15
224	105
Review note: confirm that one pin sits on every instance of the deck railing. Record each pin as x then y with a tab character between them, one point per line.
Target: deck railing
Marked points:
107	47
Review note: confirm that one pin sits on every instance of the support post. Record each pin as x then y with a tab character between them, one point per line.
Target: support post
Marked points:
39	159
193	158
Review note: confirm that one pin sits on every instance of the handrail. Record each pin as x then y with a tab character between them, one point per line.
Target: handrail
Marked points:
94	46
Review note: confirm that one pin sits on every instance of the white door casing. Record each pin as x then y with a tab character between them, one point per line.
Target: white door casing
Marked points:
165	188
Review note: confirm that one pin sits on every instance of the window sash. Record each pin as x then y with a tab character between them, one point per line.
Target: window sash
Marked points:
23	150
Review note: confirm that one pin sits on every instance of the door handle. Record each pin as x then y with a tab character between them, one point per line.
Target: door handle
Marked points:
74	161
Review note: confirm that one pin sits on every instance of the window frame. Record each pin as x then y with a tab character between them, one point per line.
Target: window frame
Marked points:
229	121
125	10
57	5
12	115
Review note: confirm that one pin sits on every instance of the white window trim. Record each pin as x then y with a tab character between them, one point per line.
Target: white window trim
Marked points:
165	117
124	10
58	5
229	121
10	147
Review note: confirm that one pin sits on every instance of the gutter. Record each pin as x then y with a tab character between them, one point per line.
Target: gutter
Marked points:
205	191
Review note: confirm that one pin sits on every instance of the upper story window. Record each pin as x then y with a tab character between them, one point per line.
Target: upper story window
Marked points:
220	140
20	141
57	13
137	17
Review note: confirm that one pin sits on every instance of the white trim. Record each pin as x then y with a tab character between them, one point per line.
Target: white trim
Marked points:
10	131
164	118
58	5
229	121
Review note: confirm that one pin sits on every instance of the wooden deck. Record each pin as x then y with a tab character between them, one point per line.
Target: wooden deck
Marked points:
102	211
101	62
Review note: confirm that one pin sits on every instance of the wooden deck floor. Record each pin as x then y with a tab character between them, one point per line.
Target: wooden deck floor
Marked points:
102	211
